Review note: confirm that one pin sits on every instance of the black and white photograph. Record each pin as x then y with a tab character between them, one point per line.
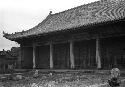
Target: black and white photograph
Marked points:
62	43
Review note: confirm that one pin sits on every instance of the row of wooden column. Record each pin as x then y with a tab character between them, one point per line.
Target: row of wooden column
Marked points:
72	62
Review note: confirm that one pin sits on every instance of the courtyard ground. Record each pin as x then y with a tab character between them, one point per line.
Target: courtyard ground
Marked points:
58	79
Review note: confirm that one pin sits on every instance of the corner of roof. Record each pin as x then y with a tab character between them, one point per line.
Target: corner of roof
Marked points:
5	34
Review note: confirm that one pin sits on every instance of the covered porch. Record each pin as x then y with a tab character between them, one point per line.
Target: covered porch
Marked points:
99	48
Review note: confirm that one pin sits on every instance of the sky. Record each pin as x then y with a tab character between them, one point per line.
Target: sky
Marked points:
18	15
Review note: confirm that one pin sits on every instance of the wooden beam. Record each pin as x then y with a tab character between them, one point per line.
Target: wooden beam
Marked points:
34	56
51	55
71	55
98	58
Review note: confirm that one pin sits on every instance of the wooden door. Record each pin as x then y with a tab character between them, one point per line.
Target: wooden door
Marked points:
42	57
113	52
27	57
61	56
84	53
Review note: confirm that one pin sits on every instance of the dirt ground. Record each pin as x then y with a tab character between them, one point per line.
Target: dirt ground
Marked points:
57	79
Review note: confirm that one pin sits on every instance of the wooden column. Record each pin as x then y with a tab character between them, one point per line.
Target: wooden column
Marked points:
21	57
71	55
34	56
98	59
51	55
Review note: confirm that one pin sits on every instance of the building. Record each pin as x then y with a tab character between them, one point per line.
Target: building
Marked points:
9	58
90	36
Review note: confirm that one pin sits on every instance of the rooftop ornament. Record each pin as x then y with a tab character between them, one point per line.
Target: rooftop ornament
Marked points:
4	33
50	12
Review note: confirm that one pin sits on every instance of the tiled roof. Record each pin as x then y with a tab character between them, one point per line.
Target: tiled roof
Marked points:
92	13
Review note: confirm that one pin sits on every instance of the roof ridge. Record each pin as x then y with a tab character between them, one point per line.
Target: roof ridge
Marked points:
77	7
90	3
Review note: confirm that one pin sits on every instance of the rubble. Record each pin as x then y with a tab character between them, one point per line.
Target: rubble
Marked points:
50	79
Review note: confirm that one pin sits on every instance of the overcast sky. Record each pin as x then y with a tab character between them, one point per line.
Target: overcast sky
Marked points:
18	15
